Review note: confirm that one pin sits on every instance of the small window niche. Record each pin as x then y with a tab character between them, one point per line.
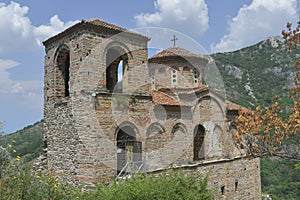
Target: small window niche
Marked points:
223	190
174	77
196	77
236	186
153	80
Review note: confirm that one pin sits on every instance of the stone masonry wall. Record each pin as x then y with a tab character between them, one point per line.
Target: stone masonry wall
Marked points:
231	179
81	125
70	125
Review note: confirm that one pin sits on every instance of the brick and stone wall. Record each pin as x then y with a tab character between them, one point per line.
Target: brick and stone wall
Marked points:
236	178
84	118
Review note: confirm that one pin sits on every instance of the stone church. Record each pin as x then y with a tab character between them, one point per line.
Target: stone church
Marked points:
110	111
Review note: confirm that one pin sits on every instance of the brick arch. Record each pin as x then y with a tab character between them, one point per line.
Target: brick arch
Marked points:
179	126
121	47
127	145
116	53
62	71
155	137
208	97
123	126
155	128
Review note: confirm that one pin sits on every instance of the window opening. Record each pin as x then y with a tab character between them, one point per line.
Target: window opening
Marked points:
115	70
153	80
223	190
196	76
120	75
62	80
199	134
236	186
174	76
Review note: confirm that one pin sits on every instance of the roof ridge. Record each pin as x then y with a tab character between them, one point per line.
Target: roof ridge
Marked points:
175	51
97	22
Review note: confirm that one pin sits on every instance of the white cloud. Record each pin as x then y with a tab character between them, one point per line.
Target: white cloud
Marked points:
5	82
8	85
45	31
187	16
21	101
257	21
19	34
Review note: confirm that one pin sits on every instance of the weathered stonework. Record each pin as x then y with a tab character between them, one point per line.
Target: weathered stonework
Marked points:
160	114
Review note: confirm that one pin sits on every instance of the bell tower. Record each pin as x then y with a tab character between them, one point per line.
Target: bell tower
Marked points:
89	60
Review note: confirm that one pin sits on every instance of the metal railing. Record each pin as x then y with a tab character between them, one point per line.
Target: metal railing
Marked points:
131	168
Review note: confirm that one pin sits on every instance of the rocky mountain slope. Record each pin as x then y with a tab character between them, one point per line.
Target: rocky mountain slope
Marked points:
253	75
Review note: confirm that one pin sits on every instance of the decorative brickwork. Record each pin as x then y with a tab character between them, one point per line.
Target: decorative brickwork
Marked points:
96	122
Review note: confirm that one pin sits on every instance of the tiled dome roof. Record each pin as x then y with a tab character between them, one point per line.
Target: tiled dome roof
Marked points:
174	52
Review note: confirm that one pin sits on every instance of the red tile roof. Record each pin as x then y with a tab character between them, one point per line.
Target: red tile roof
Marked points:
105	24
233	106
165	98
175	51
94	23
101	23
161	98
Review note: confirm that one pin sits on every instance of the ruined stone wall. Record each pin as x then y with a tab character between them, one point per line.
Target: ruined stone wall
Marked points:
60	130
237	178
240	178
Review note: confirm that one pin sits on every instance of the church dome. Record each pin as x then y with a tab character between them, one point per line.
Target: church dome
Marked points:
175	52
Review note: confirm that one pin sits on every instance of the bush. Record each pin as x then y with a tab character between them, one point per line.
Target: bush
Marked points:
18	182
169	185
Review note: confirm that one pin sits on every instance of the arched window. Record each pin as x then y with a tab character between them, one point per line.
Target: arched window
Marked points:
62	72
199	134
128	149
116	66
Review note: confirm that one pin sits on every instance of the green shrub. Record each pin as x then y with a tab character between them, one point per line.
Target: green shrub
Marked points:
21	183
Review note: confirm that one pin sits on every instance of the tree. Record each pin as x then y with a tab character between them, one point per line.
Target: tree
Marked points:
263	131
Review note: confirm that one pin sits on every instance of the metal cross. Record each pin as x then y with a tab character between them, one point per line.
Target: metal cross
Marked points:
174	40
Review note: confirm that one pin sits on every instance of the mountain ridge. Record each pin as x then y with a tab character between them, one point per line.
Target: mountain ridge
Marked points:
254	74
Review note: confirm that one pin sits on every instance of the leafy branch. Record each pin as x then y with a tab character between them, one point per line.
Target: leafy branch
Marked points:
263	131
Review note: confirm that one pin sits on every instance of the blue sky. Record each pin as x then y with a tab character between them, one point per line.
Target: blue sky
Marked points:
218	25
